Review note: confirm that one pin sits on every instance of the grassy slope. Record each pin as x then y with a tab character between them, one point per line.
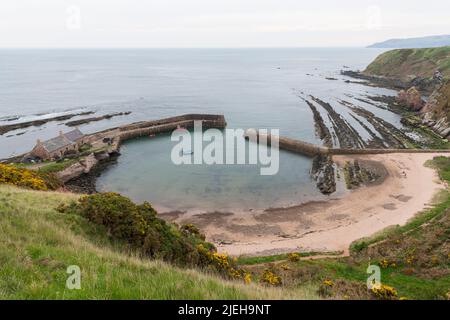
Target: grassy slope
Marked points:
419	250
37	244
402	63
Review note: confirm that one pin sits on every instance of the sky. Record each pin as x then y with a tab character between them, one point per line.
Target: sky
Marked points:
216	23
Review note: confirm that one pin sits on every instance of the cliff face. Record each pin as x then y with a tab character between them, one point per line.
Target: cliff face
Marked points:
436	112
424	72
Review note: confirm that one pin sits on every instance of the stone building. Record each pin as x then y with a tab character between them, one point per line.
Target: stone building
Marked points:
56	147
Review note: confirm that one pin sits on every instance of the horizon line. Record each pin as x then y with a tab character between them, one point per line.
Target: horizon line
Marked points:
212	47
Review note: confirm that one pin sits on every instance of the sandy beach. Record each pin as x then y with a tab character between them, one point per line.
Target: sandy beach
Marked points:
406	188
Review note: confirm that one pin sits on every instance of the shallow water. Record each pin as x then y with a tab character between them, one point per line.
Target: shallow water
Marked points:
146	173
259	88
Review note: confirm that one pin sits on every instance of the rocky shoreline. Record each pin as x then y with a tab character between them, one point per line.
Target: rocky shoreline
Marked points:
384	135
427	86
85	182
34	123
95	119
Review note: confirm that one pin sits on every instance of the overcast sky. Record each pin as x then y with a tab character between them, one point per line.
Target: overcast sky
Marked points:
217	23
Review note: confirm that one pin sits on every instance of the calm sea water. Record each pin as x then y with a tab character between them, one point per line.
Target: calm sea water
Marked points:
257	88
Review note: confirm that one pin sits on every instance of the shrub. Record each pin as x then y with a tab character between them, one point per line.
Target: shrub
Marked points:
384	292
359	246
328	283
269	277
285	267
190	229
294	257
26	178
326	288
221	263
140	227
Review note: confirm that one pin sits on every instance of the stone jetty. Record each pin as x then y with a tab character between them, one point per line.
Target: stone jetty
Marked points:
312	150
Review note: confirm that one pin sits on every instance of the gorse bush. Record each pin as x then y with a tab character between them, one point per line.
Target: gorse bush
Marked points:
271	278
140	227
222	263
384	292
30	179
294	257
192	230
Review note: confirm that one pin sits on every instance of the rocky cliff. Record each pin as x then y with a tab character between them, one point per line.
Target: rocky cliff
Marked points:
436	112
422	72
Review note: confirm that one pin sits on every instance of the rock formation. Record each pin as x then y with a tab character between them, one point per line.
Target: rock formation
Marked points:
411	99
436	112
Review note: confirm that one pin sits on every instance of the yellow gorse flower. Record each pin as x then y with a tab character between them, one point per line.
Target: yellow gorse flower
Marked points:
271	278
328	283
21	177
384	292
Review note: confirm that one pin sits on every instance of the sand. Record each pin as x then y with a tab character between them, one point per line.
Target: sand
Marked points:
407	188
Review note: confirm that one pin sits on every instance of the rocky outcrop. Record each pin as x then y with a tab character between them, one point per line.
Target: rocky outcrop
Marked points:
94	119
84	166
322	130
323	173
436	112
402	69
10	127
358	174
416	73
411	99
422	68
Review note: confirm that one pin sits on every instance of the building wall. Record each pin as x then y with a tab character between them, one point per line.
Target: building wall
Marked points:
39	151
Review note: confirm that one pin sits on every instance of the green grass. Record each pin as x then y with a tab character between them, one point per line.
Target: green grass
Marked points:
412	287
425	237
243	260
37	244
438	210
402	63
54	166
441	207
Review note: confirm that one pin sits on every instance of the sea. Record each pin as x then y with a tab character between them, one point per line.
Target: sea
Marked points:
261	88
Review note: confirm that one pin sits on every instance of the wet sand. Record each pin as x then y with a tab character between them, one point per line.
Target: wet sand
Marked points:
405	188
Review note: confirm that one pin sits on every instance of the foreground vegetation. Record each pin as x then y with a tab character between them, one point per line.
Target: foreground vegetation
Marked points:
38	244
414	259
120	248
22	177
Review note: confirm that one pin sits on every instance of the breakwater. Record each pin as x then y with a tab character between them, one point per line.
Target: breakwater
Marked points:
120	134
312	150
107	142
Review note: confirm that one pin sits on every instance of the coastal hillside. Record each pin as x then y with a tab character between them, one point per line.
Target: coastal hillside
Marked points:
420	42
409	64
45	232
38	244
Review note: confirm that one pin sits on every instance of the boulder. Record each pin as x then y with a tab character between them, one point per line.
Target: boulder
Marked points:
412	99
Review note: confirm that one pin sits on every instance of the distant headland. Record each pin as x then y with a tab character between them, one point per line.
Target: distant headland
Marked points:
421	42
